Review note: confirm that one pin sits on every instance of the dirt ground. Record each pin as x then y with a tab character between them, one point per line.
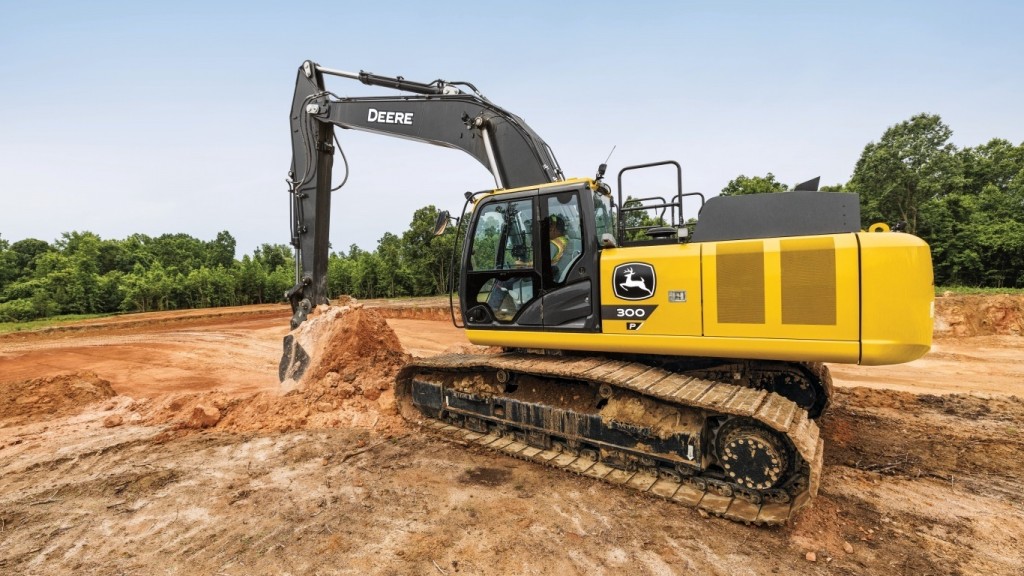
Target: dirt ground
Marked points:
162	444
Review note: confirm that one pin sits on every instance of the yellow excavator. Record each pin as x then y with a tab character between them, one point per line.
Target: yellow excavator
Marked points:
683	360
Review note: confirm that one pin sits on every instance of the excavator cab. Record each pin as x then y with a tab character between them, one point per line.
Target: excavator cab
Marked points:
528	259
532	255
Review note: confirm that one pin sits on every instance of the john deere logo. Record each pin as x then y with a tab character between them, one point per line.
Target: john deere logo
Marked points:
634	281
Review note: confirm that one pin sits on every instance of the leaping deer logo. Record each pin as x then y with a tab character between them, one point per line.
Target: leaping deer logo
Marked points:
629	282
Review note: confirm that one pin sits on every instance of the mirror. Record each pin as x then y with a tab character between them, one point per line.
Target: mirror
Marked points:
442	223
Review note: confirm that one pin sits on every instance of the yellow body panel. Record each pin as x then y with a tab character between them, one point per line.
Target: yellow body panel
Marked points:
898	295
814	298
678	268
848	298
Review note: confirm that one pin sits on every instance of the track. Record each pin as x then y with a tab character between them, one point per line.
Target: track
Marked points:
714	496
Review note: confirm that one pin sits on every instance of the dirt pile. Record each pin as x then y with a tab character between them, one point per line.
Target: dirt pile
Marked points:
353	358
979	315
51	396
928	484
351	341
938	436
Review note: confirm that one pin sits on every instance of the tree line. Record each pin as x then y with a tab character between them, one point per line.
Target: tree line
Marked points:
967	203
82	273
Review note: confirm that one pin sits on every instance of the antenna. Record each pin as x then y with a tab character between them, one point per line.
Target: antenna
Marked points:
604	166
610	154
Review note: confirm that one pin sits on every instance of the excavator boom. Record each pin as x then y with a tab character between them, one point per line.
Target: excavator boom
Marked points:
439	113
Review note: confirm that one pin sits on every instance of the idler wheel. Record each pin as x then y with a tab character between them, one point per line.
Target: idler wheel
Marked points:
752	456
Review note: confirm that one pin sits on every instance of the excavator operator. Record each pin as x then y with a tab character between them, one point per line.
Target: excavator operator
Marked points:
557	241
556	233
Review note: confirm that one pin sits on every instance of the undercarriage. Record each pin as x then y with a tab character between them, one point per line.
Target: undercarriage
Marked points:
732	449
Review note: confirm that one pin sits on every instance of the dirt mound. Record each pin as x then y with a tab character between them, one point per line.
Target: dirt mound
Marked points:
939	436
51	396
353	358
979	315
350	341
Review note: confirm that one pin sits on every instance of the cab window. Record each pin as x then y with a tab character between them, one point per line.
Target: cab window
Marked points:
501	272
565	244
503	236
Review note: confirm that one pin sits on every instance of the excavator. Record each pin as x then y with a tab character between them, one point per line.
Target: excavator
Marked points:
678	359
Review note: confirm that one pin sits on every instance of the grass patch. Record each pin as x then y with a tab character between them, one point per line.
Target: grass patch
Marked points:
6	327
958	290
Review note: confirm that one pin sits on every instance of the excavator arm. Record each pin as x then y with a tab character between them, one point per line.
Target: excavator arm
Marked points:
439	113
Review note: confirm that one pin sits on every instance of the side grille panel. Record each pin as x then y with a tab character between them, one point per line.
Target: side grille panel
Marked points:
808	281
740	283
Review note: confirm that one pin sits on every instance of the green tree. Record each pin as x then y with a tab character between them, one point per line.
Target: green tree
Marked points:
177	252
366	275
83	244
753	185
997	163
26	252
147	290
9	271
279	264
428	259
273	256
394	275
113	256
637	221
110	291
912	164
251	279
945	225
221	251
70	279
136	250
83	273
976	228
21	310
994	183
341	273
278	282
27	299
207	287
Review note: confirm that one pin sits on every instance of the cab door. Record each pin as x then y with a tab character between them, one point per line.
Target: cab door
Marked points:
524	272
567	260
499	278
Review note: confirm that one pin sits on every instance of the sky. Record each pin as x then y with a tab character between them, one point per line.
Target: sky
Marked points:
172	117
